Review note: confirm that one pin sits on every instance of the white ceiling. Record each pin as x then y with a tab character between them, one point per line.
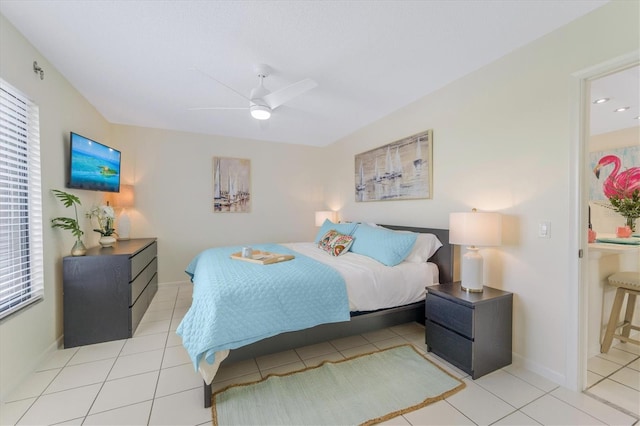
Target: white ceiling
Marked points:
623	90
132	59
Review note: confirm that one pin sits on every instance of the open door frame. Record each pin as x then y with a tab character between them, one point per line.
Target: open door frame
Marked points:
577	312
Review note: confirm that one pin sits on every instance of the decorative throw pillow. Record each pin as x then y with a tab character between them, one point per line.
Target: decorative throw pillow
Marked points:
343	228
335	243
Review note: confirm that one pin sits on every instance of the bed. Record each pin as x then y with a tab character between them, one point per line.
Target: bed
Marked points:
358	313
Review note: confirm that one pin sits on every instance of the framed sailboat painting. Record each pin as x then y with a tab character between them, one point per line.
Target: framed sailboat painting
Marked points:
401	170
231	185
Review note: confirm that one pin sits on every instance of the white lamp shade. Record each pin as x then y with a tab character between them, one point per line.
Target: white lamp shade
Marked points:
475	228
324	215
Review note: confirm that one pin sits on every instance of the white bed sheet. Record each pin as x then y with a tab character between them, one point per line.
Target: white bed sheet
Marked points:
372	285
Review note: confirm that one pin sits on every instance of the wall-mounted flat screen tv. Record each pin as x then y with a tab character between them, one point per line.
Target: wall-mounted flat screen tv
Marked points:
92	165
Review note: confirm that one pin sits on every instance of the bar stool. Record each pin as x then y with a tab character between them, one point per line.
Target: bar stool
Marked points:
627	283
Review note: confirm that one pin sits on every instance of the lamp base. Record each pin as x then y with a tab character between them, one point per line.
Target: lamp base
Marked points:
472	271
124	226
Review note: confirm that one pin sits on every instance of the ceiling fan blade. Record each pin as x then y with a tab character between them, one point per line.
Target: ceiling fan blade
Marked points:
221	83
279	97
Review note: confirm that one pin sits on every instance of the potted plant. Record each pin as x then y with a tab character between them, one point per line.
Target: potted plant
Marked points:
628	207
105	216
68	223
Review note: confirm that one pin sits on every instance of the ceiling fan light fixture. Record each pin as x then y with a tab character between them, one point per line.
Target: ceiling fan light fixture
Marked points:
260	112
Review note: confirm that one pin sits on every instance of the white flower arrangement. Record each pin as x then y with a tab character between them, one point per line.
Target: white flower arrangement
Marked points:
105	216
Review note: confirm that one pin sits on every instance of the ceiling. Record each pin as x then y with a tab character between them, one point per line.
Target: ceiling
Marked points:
134	60
623	90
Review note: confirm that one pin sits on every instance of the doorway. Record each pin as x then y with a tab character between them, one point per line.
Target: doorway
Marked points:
609	129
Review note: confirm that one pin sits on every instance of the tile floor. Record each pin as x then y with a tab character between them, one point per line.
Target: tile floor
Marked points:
149	379
615	376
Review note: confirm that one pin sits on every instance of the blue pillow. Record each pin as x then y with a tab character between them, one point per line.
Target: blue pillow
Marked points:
343	228
385	246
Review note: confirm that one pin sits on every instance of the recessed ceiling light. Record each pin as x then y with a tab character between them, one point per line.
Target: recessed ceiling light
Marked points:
638	117
621	109
601	100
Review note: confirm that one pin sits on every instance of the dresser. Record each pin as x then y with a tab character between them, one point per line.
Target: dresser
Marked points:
107	292
470	330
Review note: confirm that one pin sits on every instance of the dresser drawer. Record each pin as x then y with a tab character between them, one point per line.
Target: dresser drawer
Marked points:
143	278
140	306
457	317
450	346
142	259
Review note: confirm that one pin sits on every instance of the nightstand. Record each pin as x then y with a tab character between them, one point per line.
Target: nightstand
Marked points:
470	330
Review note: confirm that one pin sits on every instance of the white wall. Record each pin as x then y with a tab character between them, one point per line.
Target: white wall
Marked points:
27	335
502	143
174	192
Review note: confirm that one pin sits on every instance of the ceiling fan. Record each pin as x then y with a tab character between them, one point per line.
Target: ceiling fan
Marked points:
262	101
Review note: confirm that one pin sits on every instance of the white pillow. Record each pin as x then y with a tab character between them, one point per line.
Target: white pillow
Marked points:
426	245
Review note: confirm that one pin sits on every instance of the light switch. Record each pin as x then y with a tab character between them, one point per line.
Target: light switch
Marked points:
544	230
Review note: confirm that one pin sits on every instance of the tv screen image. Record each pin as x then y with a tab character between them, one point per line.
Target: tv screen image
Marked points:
93	166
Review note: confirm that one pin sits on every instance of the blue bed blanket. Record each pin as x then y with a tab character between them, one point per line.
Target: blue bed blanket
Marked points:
236	303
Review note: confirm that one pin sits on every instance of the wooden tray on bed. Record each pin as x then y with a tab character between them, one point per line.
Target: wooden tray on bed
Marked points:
263	257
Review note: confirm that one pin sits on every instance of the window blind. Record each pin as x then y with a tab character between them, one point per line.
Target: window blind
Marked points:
21	247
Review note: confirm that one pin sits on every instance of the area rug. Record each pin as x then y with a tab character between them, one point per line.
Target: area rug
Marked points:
365	389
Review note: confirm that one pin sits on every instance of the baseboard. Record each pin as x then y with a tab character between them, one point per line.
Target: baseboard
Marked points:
547	373
9	388
172	284
593	351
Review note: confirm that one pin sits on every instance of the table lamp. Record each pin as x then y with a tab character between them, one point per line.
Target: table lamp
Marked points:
473	229
122	200
324	215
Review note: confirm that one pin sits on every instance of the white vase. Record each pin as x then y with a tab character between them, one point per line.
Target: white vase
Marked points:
107	241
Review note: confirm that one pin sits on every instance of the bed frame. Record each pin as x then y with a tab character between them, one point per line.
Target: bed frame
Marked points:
361	322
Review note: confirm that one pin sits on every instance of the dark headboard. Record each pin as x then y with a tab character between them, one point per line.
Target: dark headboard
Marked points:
443	257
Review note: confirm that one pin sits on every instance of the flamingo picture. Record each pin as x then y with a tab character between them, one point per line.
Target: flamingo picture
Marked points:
620	185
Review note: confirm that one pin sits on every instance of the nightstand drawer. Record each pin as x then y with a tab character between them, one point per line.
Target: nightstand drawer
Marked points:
454	316
450	346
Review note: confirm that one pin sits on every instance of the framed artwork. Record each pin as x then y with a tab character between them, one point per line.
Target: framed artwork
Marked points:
401	170
231	185
613	166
